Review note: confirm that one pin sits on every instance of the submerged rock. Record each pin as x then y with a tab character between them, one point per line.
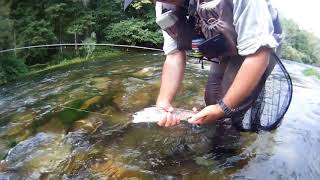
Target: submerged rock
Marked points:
18	131
22	151
48	156
145	72
137	95
91	102
3	151
8	176
88	125
77	140
54	126
40	154
102	83
115	170
18	126
149	147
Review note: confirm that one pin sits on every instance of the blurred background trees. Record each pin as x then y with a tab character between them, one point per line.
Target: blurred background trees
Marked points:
300	45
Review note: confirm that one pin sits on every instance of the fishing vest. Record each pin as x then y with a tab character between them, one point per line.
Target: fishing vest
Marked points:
213	19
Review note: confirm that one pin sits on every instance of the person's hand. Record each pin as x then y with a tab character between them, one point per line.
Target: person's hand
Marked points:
207	115
168	119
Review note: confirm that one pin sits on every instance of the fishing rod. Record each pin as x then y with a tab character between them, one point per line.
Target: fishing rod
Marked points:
80	44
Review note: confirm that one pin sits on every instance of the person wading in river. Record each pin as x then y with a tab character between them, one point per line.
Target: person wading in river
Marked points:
240	36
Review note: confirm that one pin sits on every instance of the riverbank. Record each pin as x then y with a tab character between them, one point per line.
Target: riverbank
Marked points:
17	70
96	56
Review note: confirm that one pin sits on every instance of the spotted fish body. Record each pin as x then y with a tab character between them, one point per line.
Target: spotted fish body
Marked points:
153	114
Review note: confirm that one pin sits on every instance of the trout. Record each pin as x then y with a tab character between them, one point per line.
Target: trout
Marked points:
153	114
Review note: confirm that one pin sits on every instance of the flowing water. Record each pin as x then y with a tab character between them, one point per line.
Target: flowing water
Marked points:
74	123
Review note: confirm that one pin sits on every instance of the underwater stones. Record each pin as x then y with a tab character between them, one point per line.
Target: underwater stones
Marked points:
17	130
74	163
8	176
17	125
2	167
77	140
54	126
3	151
148	144
71	95
79	152
45	155
145	72
24	149
205	161
83	125
195	101
137	95
135	80
26	115
115	170
121	69
101	83
89	125
154	83
114	116
90	102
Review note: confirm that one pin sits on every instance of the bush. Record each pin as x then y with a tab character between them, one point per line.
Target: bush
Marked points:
11	68
36	33
300	45
291	53
3	78
134	32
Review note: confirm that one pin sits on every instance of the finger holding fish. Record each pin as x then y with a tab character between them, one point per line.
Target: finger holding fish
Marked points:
207	115
198	118
169	119
162	120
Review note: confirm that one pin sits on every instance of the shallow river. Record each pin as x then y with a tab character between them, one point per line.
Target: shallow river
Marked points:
74	123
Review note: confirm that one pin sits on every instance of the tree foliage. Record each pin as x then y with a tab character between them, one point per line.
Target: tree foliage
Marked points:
300	45
133	31
5	27
11	68
55	21
29	22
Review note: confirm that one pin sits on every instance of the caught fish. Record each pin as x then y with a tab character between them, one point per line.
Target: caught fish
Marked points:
152	115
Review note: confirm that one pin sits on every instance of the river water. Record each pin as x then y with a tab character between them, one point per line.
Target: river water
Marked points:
74	123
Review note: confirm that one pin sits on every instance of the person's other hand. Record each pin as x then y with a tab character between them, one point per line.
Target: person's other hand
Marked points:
207	115
168	119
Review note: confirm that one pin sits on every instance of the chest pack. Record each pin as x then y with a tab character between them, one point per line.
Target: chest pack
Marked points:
210	19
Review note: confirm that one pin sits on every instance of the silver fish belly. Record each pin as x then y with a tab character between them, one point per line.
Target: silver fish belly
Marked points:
153	115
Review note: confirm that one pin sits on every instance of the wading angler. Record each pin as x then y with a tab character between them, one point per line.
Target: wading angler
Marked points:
248	86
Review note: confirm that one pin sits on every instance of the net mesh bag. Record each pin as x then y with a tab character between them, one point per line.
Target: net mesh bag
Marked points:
268	108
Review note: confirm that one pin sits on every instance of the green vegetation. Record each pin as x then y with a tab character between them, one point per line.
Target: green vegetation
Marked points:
300	45
2	156
11	68
25	23
311	72
99	55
